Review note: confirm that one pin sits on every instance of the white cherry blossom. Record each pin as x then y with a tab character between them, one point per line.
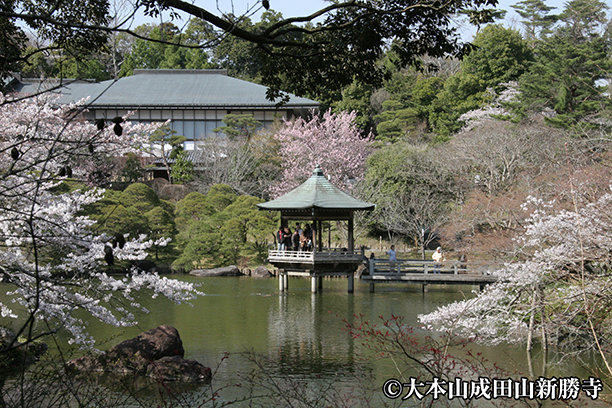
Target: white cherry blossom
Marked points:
51	257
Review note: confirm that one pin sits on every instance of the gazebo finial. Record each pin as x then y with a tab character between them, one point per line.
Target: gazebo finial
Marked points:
317	171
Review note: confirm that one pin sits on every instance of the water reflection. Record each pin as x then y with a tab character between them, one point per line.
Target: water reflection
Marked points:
299	330
302	335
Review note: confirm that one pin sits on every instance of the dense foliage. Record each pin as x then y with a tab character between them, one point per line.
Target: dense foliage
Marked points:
222	228
164	52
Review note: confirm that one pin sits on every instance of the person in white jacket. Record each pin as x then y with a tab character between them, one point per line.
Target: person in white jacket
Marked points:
438	257
392	259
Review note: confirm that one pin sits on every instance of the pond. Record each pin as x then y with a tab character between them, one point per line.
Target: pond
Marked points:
304	332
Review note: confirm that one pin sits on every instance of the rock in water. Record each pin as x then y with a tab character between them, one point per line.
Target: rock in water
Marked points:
158	353
176	368
261	272
231	270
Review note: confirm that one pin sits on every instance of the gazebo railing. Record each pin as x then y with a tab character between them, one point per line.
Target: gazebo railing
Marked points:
310	256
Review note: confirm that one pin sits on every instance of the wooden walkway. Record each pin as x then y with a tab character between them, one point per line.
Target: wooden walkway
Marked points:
424	272
336	263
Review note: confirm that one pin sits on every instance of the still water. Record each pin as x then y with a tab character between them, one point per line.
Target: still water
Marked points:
301	330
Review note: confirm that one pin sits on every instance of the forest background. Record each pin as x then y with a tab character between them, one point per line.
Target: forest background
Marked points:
451	148
454	148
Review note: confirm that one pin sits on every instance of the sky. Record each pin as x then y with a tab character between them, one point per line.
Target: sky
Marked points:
294	8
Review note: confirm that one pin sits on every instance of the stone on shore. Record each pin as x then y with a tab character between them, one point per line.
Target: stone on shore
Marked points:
231	270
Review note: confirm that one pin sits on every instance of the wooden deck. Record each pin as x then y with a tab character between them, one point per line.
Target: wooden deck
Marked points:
316	265
424	272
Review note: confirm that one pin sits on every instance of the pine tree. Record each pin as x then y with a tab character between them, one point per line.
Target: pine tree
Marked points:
570	63
537	22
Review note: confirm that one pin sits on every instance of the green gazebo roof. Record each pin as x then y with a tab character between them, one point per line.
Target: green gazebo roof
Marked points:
316	193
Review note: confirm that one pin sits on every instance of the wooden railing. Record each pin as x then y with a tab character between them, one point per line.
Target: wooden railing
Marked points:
318	256
403	266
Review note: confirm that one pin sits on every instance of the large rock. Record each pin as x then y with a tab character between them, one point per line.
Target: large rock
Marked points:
176	368
231	270
159	346
261	272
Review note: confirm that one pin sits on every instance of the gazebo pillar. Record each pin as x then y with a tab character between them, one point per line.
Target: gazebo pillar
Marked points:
351	282
283	280
320	233
350	233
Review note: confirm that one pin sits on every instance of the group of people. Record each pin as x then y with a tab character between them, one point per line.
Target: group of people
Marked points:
299	240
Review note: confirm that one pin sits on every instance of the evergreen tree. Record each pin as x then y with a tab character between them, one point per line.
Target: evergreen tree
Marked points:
182	169
194	207
570	63
166	138
239	126
134	211
132	170
500	56
396	122
536	21
356	97
84	66
164	52
221	228
242	58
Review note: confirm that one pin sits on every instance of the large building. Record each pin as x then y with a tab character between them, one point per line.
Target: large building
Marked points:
196	101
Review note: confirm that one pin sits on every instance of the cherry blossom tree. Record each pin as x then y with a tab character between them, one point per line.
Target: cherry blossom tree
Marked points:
560	289
331	140
51	257
498	107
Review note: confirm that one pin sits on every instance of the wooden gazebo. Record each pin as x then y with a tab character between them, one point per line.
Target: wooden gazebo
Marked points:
315	201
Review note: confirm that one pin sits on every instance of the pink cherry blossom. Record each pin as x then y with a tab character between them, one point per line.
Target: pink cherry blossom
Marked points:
331	140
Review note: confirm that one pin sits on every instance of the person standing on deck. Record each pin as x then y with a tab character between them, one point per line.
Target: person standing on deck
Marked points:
438	257
392	258
295	240
308	238
287	239
463	263
279	237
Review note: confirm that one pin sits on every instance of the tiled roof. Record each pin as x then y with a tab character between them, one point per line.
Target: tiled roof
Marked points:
197	157
316	192
170	88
